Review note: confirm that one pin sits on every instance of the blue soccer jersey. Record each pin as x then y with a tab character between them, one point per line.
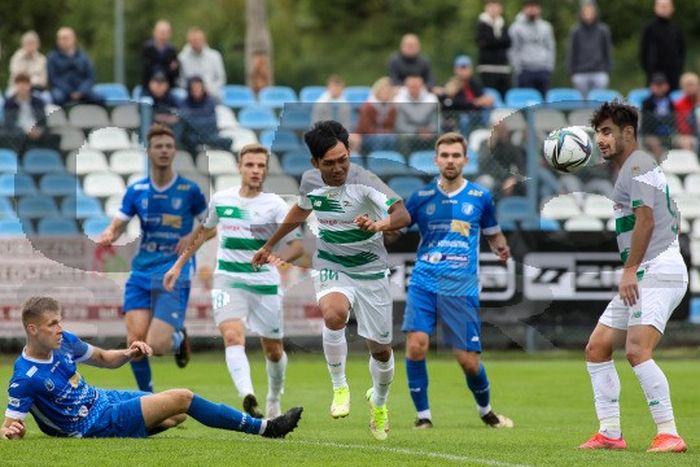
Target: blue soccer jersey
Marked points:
167	214
447	261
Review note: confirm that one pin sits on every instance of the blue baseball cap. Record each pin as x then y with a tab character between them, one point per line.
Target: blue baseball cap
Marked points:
463	61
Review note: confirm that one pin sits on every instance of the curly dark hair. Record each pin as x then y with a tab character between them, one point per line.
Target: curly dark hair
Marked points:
620	113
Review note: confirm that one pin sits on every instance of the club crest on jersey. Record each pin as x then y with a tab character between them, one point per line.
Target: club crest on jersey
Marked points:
430	209
83	411
467	208
477	193
176	203
49	385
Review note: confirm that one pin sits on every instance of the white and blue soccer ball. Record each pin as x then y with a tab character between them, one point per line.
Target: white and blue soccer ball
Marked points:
568	149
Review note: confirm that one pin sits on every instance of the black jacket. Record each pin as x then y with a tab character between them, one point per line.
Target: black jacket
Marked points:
492	50
11	109
590	48
662	50
154	60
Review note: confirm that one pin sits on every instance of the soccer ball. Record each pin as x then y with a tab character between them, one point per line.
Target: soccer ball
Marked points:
568	149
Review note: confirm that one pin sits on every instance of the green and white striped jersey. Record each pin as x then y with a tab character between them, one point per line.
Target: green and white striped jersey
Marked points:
341	245
641	182
244	225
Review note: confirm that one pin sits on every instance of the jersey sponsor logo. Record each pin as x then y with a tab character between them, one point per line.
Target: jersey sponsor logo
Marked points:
430	209
439	226
476	193
176	203
49	385
141	186
450	201
452	244
32	371
467	208
171	220
461	227
183	187
14	402
159	196
426	192
151	221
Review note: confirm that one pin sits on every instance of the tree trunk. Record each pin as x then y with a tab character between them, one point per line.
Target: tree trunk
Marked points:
258	46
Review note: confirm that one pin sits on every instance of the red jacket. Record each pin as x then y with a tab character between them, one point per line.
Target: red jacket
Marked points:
685	115
370	122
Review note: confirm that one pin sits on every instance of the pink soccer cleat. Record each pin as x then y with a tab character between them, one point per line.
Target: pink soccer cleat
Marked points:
600	441
664	442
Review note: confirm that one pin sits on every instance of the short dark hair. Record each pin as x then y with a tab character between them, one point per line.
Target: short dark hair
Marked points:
324	135
158	129
620	113
22	77
450	138
35	307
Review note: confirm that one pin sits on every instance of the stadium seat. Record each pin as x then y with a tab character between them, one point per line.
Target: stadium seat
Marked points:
94	226
604	95
59	226
41	161
523	97
685	226
496	96
695	232
109	139
276	96
17	185
385	163
273	165
676	95
135	177
691	184
563	94
282	185
240	136
112	205
584	224
688	205
80	206
636	96
13	228
36	206
103	184
55	117
560	207
674	183
311	93
540	223
126	116
357	159
681	161
204	182
127	161
8	161
357	95
71	138
406	185
580	117
85	116
6	208
59	185
472	166
224	182
179	94
257	117
111	92
511	117
183	162
225	118
137	92
513	208
477	137
424	162
549	119
237	96
280	140
295	163
296	117
216	162
86	160
598	206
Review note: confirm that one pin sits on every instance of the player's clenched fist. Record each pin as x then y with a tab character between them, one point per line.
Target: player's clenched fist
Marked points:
262	256
15	429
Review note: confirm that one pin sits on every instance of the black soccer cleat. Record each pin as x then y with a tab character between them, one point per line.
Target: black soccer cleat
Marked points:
250	406
497	421
278	427
423	424
182	356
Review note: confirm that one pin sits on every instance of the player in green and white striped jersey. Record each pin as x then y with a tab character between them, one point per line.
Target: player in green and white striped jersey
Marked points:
351	263
243	295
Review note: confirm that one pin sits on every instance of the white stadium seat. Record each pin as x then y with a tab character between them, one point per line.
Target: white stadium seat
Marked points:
580	117
224	182
695	252
691	184
477	137
126	116
127	161
86	116
183	162
109	139
583	224
549	119
598	206
86	160
674	183
135	177
560	207
282	185
216	162
71	138
55	116
695	233
225	118
688	204
273	165
513	118
112	205
240	136
103	184
681	161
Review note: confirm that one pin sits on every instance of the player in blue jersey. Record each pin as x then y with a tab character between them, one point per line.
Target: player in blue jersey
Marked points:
167	205
451	214
46	383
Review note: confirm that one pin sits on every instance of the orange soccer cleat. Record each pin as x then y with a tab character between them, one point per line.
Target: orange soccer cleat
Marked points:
664	442
600	441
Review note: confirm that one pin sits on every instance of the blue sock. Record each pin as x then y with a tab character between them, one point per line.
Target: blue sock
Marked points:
479	385
142	372
177	339
417	374
222	416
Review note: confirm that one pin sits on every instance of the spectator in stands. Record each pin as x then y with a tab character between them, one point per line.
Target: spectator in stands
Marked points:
686	120
658	116
589	57
198	112
503	161
332	105
160	55
533	49
25	118
493	41
198	59
70	71
28	60
416	115
662	48
408	61
377	118
165	106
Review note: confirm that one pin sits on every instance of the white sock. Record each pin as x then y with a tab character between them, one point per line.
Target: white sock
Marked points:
275	377
239	368
655	387
606	394
425	414
382	376
483	410
335	348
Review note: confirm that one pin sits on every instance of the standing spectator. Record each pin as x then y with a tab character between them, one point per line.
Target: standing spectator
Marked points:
332	105
662	49
378	117
589	58
160	55
416	115
533	48
408	61
493	41
198	112
658	116
70	71
28	60
686	121
198	59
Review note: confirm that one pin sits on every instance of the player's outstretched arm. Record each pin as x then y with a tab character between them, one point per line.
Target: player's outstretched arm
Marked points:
112	232
12	429
398	218
499	245
295	217
199	237
115	358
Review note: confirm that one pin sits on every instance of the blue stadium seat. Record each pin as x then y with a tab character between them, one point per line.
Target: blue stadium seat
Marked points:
386	163
111	91
636	96
541	223
6	209
563	94
37	206
513	208
237	96
8	161
94	226
257	117
497	98
507	226
311	93
59	226
406	185
13	228
423	161
279	141
357	95
81	207
276	96
179	93
136	92
472	167
295	163
41	161
296	116
522	97
17	185
358	159
676	95
604	95
59	185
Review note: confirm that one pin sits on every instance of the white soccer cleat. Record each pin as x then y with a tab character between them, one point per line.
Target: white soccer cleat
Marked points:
273	408
340	407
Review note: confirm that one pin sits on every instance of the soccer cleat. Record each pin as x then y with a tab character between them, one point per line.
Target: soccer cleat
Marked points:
600	441
182	356
340	407
278	427
250	406
423	424
664	442
497	421
378	418
272	408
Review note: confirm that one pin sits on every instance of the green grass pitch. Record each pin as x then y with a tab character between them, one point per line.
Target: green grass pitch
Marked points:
549	399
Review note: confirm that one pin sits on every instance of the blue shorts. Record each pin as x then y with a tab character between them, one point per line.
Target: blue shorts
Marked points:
122	417
459	315
148	293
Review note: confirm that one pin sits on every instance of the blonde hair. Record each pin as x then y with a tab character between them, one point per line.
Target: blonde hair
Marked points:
451	138
252	148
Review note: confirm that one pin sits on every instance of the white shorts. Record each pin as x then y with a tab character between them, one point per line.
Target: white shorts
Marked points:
661	289
370	300
260	313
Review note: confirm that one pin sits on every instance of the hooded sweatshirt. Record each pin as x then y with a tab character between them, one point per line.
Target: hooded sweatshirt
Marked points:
533	47
207	64
590	48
